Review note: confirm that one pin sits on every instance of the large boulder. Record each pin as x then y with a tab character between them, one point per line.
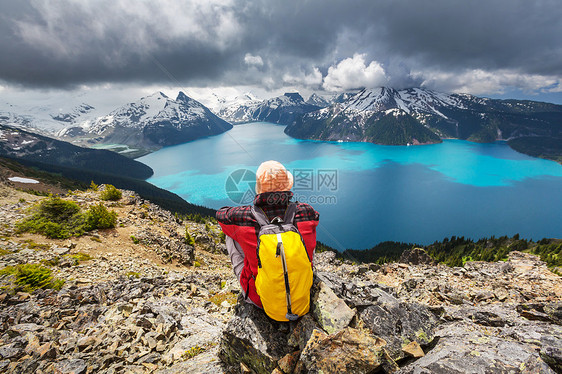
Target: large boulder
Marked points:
416	256
331	312
253	339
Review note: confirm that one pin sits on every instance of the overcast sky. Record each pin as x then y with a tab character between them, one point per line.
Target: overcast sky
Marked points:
495	48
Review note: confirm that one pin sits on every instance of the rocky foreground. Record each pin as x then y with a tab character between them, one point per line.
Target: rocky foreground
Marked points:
141	298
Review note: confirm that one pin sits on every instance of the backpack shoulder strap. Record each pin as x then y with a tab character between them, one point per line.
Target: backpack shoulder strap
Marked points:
290	213
259	215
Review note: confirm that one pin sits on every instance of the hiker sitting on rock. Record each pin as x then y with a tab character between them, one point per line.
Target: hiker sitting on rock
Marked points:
271	245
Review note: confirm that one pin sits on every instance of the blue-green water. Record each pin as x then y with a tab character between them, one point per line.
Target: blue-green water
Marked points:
368	193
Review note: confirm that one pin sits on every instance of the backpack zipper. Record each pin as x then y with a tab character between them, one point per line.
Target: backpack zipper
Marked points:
290	316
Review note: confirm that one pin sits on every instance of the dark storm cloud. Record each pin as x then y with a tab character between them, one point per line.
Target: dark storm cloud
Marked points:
65	43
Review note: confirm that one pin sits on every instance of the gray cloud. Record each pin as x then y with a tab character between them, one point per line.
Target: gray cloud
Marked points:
211	42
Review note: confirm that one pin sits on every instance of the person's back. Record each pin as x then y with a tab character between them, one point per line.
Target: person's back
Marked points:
273	185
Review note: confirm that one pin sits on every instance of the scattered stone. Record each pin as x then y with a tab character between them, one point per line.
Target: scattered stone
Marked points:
413	349
288	362
71	366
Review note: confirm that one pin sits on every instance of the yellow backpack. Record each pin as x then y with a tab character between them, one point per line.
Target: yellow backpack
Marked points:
284	274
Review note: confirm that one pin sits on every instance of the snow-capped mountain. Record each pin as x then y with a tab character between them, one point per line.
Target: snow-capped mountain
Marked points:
282	109
75	115
45	119
152	121
239	109
416	115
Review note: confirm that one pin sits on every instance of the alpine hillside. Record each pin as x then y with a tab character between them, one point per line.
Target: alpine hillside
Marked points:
23	145
103	281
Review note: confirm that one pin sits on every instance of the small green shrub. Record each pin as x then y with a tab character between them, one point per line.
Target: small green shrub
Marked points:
135	240
98	217
133	274
111	193
192	352
55	218
188	238
93	186
60	219
32	277
207	227
195	218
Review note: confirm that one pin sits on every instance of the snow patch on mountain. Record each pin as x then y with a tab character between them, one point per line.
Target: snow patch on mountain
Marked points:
412	100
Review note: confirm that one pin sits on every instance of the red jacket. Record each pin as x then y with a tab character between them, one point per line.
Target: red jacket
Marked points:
240	224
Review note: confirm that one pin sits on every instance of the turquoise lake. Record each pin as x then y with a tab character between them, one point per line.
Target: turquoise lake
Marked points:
367	193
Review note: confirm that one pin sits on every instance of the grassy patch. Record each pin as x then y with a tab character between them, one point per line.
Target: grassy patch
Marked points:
192	352
33	192
135	240
32	277
4	252
37	246
220	297
80	256
133	274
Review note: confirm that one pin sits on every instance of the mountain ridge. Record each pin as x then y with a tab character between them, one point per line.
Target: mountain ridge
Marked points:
137	127
283	109
422	116
153	121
